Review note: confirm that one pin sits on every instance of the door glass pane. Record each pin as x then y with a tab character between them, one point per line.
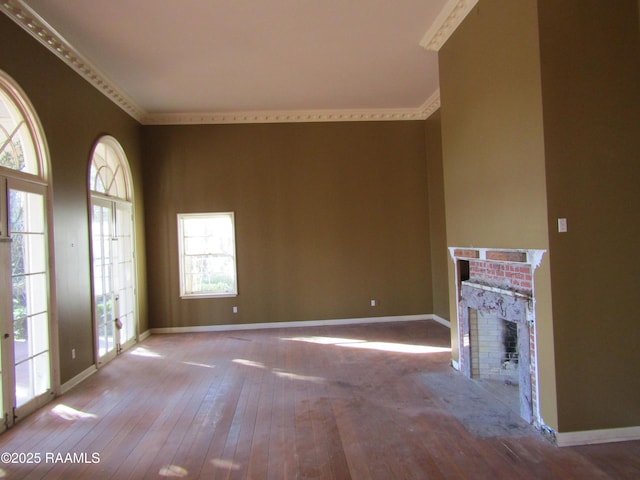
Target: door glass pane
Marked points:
31	336
102	277
32	378
125	272
29	294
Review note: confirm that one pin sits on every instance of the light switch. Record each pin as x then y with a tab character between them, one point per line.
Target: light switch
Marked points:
562	225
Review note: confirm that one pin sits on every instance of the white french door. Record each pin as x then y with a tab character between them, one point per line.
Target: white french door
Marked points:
24	298
113	277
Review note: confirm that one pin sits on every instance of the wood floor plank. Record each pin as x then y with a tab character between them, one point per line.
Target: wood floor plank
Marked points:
258	460
282	448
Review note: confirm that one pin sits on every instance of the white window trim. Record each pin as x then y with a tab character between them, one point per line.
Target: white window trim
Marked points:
181	256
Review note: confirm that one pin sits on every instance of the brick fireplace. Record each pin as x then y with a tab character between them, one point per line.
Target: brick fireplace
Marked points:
496	319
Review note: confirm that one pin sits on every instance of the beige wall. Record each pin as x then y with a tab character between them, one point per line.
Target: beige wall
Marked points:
73	115
328	217
437	220
590	83
493	152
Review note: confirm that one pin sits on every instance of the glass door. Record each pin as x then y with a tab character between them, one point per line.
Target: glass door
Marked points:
125	274
27	362
113	277
25	332
6	314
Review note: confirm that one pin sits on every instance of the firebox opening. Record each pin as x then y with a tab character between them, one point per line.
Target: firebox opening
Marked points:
510	344
495	356
463	272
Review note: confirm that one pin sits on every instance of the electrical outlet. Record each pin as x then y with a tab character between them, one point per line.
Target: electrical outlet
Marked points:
373	303
235	309
73	354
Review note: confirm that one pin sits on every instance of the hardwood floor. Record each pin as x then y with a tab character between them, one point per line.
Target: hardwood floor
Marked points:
373	401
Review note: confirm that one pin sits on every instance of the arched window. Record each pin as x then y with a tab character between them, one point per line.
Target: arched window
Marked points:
112	249
25	308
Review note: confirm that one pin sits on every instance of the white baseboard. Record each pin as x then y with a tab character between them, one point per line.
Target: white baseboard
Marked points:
589	437
308	323
440	320
144	335
65	387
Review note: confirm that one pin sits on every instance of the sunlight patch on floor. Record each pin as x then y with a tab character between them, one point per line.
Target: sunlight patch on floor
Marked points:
175	471
325	340
226	464
278	372
69	413
295	376
365	344
396	347
145	352
248	363
196	364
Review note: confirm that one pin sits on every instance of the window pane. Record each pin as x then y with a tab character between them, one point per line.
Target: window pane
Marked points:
31	336
29	295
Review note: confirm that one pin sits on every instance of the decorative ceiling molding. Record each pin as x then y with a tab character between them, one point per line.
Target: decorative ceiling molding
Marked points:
38	28
431	105
446	22
297	116
282	116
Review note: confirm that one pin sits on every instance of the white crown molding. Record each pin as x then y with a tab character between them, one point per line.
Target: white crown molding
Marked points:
281	116
446	22
297	116
38	28
431	104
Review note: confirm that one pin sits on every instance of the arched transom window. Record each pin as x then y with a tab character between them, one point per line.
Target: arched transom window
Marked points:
109	174
19	140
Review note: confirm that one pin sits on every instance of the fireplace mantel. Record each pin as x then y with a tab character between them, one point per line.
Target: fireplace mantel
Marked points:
529	256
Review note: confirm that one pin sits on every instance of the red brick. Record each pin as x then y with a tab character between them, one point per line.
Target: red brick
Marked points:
466	253
520	257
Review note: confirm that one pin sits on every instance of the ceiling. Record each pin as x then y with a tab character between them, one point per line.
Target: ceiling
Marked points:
200	61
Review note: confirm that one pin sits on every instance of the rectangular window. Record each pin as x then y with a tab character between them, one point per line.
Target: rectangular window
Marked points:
207	255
